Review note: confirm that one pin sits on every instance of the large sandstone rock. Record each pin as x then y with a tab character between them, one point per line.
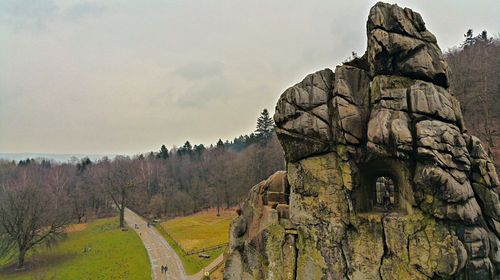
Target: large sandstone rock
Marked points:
382	181
399	44
302	115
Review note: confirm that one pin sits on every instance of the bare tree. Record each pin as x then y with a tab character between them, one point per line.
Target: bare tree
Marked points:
118	179
156	205
79	202
31	214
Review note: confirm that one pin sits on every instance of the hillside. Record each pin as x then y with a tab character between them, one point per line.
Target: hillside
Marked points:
475	81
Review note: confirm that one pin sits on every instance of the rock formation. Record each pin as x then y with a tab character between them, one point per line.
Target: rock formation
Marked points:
382	179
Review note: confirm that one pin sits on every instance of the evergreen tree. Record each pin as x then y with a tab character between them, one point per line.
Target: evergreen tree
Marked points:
25	162
469	38
83	164
483	36
45	163
163	152
199	149
186	149
265	125
220	144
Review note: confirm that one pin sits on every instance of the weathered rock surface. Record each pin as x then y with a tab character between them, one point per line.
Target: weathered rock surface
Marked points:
303	116
382	180
399	44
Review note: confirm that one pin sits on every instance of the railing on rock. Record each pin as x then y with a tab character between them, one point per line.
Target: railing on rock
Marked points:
225	255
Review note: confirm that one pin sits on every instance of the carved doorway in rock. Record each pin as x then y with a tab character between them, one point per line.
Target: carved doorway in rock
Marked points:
383	187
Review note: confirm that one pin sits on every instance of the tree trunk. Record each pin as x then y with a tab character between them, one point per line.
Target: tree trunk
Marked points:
122	209
227	198
122	216
20	259
218	206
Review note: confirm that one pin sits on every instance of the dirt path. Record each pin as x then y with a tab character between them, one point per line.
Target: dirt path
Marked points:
209	267
159	251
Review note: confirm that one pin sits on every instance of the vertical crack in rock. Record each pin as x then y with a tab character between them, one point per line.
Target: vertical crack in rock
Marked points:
330	111
381	180
295	268
386	250
414	136
346	261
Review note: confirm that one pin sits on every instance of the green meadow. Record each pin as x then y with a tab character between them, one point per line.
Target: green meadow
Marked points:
113	254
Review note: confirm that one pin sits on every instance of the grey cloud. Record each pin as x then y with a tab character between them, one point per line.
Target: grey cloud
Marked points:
197	71
33	14
36	14
115	71
84	9
201	94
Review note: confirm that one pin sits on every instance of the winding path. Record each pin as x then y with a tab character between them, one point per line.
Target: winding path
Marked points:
159	251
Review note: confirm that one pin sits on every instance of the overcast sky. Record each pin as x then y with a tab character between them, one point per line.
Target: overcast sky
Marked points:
113	77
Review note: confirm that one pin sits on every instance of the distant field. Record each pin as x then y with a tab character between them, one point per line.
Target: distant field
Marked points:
114	254
201	230
198	231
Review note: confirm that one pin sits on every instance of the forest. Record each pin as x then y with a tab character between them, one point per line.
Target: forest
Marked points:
474	80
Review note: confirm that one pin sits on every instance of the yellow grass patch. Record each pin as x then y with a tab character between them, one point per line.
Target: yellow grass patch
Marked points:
201	230
75	228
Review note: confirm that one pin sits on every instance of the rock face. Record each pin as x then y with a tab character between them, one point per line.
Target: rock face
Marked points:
382	180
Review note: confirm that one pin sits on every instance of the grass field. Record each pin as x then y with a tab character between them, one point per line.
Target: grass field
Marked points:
198	231
201	230
114	254
192	263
